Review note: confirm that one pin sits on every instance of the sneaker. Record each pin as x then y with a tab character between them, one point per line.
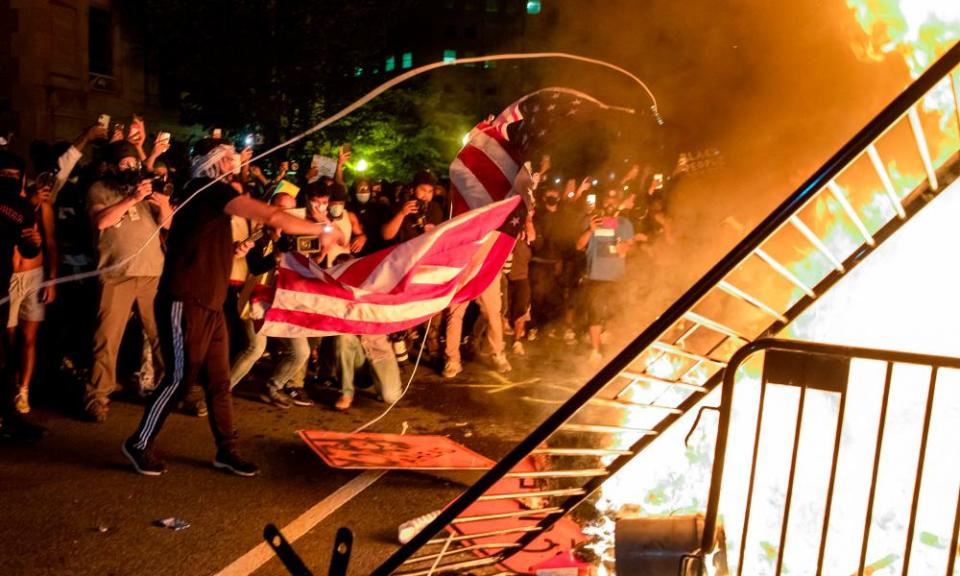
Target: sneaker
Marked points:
16	428
595	357
518	348
532	334
569	335
232	462
400	351
344	403
500	362
199	409
277	398
144	461
22	403
299	397
97	412
145	383
451	368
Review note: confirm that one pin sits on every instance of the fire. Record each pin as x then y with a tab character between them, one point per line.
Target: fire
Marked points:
917	30
894	309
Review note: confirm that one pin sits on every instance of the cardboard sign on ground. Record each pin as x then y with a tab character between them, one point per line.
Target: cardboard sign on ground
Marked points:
392	451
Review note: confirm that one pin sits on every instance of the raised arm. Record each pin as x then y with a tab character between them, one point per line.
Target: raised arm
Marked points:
276	218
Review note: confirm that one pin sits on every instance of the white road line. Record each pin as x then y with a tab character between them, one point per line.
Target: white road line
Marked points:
262	553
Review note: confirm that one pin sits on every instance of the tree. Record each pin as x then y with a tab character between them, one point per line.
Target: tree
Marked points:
399	133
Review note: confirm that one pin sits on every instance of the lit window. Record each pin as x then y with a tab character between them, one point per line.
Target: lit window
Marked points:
449	55
358	71
406	60
390	64
487	64
533	6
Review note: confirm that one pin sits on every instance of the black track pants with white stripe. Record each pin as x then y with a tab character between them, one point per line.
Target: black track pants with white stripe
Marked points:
193	338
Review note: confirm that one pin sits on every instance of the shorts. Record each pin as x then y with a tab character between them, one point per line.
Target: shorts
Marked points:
519	291
601	300
25	301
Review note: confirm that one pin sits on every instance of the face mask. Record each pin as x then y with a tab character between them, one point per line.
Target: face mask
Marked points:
551	200
9	187
363	197
128	177
336	210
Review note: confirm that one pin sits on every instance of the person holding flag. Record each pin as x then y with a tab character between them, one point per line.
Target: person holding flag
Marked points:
189	303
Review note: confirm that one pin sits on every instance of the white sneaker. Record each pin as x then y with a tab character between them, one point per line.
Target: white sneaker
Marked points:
452	368
400	351
518	348
595	357
22	402
532	334
501	363
569	335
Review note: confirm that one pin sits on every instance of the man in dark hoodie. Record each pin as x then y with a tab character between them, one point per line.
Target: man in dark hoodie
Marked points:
17	229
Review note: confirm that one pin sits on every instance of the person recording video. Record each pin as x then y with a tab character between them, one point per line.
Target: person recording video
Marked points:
607	237
418	213
127	207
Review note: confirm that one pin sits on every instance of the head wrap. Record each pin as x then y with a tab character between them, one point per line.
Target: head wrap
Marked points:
207	156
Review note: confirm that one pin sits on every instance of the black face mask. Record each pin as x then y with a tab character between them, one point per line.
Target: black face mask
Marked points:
551	200
127	178
9	187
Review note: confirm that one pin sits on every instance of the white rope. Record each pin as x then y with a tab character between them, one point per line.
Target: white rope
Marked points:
413	373
359	103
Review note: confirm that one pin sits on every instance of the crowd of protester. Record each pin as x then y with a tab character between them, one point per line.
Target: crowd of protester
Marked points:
152	304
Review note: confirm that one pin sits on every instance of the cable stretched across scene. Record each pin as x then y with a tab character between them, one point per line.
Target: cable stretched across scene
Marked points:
357	104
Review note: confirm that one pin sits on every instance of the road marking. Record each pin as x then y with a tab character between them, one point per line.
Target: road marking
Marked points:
262	553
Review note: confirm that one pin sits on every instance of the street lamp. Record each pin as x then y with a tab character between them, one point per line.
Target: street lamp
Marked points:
362	165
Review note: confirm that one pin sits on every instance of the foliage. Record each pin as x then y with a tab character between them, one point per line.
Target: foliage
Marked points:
399	133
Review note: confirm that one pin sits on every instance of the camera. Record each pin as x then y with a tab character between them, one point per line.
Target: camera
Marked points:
307	244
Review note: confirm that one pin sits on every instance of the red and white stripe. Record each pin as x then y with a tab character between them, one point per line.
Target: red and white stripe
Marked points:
393	289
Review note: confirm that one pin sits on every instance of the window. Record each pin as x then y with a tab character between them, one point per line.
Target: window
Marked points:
390	64
469	54
449	55
406	60
100	41
493	5
488	64
533	6
358	71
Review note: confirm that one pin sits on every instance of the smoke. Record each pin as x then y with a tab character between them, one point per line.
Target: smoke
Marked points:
774	86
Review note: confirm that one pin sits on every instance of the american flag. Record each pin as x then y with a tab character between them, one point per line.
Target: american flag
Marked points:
404	285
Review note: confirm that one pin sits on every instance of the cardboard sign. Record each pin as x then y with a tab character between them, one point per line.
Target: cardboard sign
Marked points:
392	451
325	166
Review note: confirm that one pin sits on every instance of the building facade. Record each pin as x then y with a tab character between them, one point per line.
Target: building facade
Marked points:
65	62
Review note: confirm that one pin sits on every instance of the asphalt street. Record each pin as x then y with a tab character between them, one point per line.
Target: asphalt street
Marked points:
73	505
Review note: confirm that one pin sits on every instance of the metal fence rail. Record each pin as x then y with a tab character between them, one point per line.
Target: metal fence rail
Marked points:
837	218
822	367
